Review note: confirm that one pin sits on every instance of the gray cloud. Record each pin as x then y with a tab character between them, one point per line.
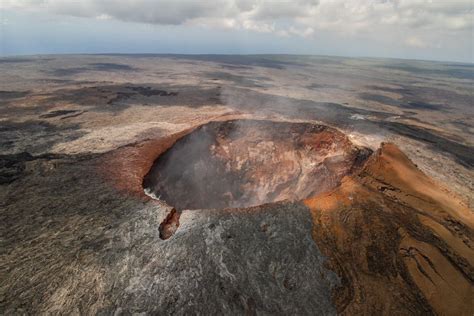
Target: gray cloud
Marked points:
419	24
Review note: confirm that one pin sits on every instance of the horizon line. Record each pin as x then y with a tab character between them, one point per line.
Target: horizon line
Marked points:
235	54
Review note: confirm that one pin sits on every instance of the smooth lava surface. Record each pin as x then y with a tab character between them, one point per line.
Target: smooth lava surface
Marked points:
242	163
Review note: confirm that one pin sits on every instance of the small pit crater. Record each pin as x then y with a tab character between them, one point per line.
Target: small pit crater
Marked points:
243	163
170	224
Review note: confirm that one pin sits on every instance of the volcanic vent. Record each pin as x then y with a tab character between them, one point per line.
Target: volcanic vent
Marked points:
241	163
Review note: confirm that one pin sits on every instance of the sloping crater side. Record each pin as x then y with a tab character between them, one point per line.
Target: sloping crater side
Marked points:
400	243
243	163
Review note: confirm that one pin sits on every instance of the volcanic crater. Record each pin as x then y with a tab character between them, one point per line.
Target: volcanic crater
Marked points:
243	163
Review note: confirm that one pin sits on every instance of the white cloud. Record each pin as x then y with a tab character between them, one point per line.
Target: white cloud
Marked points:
415	42
380	20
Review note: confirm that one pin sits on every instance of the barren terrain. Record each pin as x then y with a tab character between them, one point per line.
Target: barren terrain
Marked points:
174	184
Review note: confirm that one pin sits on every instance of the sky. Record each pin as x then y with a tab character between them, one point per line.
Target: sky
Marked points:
412	29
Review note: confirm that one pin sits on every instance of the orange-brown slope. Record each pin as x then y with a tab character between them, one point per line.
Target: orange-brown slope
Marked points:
126	166
399	242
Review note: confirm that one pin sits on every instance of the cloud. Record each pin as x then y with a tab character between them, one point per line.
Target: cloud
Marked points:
415	42
272	10
166	12
377	19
